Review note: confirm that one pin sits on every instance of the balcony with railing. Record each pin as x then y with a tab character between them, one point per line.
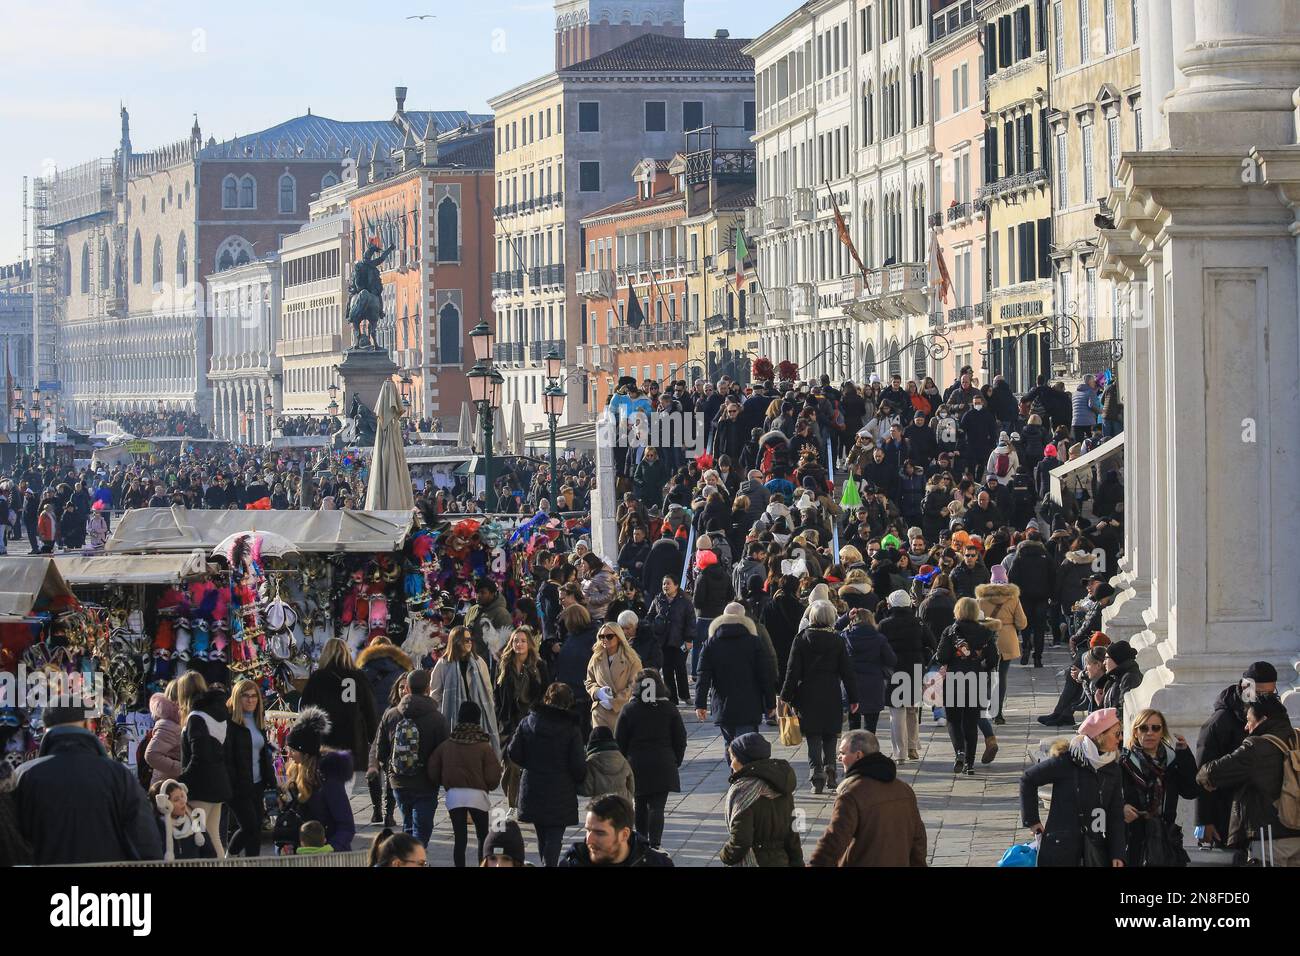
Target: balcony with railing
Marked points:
753	221
773	307
898	290
537	351
936	320
595	284
593	357
934	220
1016	182
983	312
508	352
658	335
960	212
961	315
776	211
851	287
509	281
542	276
805	206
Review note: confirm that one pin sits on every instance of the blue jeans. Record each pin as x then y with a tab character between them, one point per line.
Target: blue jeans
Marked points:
701	635
731	733
417	813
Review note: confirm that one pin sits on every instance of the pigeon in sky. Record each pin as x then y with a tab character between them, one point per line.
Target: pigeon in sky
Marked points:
423	16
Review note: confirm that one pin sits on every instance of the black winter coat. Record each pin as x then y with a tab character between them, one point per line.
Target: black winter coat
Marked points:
913	644
1179	780
712	591
571	662
665	560
1033	572
433	730
205	762
819	665
967	647
632	558
936	614
731	666
1120	681
965	579
1077	791
239	742
547	746
781	619
75	804
1221	735
872	658
1253	774
511	692
653	739
352	716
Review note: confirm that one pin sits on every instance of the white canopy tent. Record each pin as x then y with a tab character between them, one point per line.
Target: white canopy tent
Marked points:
168	530
102	569
27	584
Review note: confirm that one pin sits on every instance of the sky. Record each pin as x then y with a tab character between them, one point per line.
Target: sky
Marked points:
242	66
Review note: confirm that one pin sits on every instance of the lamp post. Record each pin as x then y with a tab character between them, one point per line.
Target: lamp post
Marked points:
269	407
485	392
554	400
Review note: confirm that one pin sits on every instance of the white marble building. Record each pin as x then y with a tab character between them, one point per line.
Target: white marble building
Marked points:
245	370
1205	248
843	110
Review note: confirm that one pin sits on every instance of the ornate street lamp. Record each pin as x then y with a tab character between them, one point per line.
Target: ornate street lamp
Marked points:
553	398
485	392
269	407
482	340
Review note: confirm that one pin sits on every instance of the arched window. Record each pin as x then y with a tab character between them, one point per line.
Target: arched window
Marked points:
103	264
247	193
328	180
157	263
895	359
85	268
67	271
288	194
869	358
919	356
449	335
182	262
234	251
448	231
137	255
230	193
225	261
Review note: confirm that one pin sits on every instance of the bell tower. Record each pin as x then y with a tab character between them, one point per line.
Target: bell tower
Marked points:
587	28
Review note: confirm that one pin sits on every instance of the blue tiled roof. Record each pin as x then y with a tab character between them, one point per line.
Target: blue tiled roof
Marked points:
320	137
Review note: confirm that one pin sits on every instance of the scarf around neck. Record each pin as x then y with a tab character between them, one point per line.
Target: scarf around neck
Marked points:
1084	750
742	795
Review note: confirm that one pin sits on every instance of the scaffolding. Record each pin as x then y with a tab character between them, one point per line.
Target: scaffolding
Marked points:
47	266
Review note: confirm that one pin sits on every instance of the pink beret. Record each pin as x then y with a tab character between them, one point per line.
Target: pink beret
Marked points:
1098	721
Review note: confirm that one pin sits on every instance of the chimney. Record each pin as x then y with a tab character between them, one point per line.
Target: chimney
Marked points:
401	99
722	35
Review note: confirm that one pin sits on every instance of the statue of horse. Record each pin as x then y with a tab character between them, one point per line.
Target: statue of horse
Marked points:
366	290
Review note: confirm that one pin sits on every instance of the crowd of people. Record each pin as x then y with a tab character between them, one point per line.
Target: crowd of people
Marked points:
162	424
751	590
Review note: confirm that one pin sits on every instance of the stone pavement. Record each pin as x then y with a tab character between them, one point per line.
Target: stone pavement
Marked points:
970	821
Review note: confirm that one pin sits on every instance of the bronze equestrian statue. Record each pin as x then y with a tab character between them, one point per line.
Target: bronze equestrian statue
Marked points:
366	303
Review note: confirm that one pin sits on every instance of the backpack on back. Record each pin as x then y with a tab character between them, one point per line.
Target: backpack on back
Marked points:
1001	465
1288	801
405	759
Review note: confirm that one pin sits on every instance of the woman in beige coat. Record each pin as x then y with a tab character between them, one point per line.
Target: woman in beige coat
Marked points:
1000	601
611	675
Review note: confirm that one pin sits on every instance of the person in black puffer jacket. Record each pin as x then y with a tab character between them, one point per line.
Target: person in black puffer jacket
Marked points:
650	733
872	658
343	692
548	748
819	667
382	663
712	594
731	666
1221	735
936	609
1122	675
206	760
1086	786
969	651
1035	574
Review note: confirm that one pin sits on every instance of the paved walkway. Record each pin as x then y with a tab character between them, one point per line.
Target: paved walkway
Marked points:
970	821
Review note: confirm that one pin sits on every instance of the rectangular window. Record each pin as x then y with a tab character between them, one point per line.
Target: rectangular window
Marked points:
1044	247
867	28
750	124
934	100
994	279
1112	144
1058	30
588	117
956	91
1085	41
965	86
1090	334
1011	255
692	115
1062	172
1133	16
1137	128
655	121
982	75
589	177
1086	133
1109	15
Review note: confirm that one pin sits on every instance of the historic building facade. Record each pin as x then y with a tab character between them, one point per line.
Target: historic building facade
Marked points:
566	143
1096	117
587	28
1018	191
245	373
431	199
959	220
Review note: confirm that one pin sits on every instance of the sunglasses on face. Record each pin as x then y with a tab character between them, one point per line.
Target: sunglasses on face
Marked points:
605	638
1150	729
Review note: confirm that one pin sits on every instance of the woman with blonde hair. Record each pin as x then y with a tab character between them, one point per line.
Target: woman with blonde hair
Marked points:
1158	767
252	767
611	675
462	675
522	679
188	688
969	651
316	779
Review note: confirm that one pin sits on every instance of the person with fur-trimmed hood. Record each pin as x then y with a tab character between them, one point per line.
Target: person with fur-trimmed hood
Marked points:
382	662
1087	785
184	828
731	667
1000	601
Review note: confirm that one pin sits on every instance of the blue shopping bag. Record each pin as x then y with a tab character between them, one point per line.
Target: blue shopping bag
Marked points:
1022	854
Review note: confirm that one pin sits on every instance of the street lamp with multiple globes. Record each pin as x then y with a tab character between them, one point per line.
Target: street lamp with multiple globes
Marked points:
554	400
485	392
333	406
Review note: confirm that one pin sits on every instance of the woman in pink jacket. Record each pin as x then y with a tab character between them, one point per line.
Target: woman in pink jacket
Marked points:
163	754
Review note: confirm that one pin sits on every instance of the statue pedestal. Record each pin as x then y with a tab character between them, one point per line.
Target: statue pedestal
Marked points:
364	373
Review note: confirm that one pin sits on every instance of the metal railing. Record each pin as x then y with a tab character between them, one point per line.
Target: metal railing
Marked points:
982	311
1013	182
936	320
961	210
538	350
934	220
508	352
511	280
960	315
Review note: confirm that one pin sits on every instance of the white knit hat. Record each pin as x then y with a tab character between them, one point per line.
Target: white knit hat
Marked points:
899	598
